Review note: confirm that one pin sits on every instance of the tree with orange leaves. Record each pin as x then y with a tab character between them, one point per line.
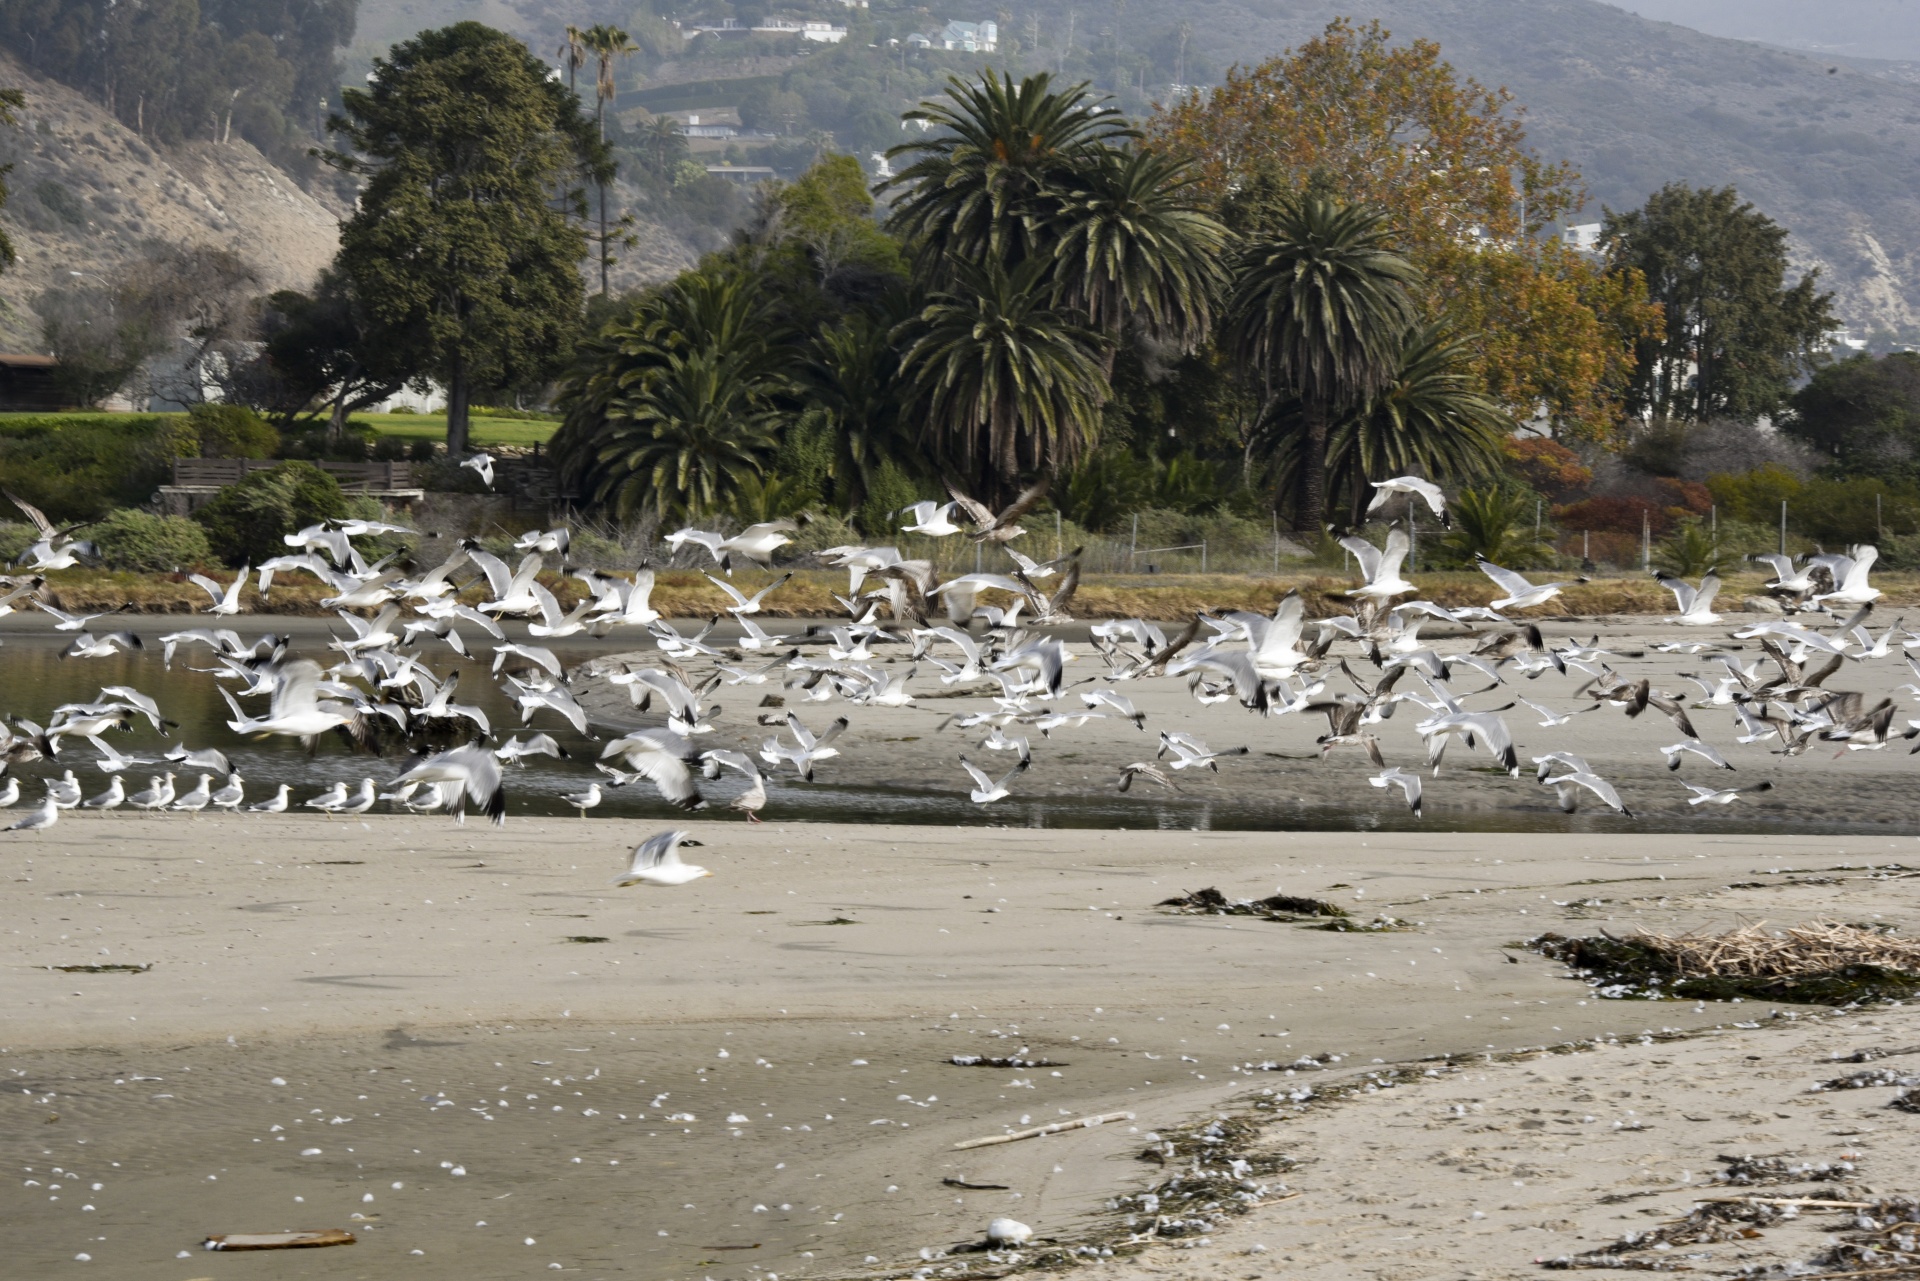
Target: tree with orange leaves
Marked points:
1352	115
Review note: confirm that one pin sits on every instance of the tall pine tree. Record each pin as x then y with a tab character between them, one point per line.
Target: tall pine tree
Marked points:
465	250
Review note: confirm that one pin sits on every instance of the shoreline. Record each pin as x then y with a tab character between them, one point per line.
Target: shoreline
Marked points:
375	997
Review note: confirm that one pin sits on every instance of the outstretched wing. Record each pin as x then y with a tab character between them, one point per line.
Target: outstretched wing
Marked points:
1505	579
34	514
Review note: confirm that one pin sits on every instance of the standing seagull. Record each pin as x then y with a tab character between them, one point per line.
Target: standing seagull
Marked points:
584	801
749	802
196	800
229	797
277	804
46	816
656	861
110	799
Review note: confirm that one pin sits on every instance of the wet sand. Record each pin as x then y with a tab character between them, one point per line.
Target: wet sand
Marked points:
401	995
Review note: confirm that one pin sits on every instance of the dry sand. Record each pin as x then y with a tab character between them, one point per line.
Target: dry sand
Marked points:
336	1008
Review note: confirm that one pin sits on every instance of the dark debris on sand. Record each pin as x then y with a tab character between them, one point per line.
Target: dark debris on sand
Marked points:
1277	907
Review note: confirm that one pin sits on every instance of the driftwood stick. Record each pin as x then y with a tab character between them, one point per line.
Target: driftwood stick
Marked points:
1078	1123
1792	1200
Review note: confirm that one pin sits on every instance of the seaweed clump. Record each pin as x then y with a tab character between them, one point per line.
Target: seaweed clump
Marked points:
1275	907
1821	963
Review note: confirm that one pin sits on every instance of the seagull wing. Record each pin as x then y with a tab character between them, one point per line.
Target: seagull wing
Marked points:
980	780
1505	579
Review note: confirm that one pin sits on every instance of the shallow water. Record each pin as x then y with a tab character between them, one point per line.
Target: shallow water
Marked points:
34	680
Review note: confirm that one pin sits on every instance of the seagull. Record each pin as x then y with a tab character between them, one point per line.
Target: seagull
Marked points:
1696	604
656	861
158	796
1409	784
742	603
44	817
986	789
1382	568
361	801
1119	703
473	774
196	800
749	802
1849	574
11	794
328	801
998	527
1147	770
425	800
71	622
209	758
1721	795
1520	594
664	759
226	599
1565	784
64	791
1694	745
933	519
87	645
228	798
1189	751
110	799
480	465
1556	719
277	804
1414	487
584	801
535	745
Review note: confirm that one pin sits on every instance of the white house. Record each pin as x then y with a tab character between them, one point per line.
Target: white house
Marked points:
1583	236
969	37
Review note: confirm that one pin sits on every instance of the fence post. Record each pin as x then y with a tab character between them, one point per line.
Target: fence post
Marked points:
1783	527
1536	519
1276	542
1413	538
1646	542
1057	543
1586	544
1879	529
1203	555
1133	548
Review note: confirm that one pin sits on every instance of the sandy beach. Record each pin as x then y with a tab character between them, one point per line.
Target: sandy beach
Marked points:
382	1025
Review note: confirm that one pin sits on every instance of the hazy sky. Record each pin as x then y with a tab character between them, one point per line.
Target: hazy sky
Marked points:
1867	28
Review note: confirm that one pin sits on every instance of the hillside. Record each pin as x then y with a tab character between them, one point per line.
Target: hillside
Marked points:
1826	147
87	194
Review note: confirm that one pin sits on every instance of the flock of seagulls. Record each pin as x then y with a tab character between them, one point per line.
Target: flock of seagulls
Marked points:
379	693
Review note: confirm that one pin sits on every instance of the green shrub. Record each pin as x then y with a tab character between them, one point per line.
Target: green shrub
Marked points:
138	540
15	538
245	522
80	467
232	431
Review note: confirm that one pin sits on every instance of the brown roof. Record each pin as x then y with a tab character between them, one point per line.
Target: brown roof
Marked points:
17	360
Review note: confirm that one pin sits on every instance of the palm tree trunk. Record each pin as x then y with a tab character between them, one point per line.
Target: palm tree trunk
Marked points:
1313	477
457	410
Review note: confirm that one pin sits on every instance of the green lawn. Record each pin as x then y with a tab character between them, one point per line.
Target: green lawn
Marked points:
485	431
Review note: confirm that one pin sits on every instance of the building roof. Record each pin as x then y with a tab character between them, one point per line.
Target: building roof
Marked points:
23	360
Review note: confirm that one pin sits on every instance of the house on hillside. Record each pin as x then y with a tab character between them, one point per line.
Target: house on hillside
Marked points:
27	385
968	37
819	32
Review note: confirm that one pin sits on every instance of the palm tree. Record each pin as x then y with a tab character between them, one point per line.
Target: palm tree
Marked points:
849	374
573	53
608	45
1497	523
1131	242
648	405
1431	420
1008	383
980	185
1318	311
663	144
687	435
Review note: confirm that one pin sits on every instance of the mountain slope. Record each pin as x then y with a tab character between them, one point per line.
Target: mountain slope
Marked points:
87	194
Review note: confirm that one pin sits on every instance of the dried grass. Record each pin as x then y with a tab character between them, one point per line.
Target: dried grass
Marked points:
1819	963
1753	951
